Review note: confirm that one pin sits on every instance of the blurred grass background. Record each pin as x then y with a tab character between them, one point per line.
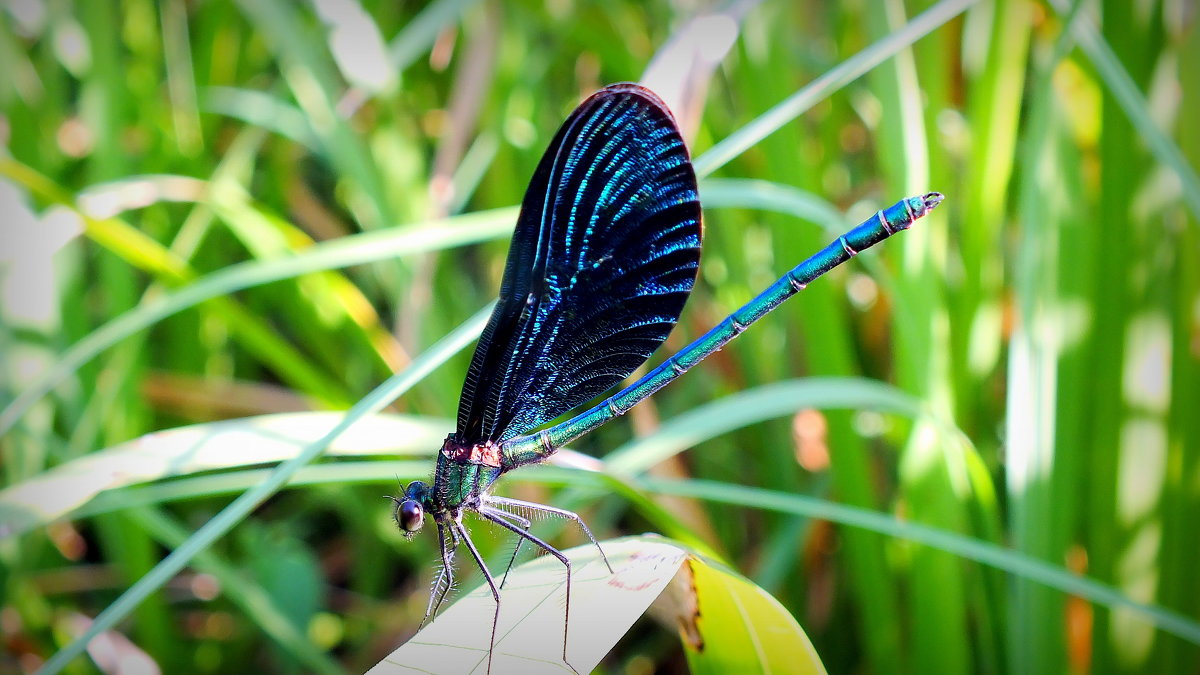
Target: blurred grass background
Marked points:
1049	310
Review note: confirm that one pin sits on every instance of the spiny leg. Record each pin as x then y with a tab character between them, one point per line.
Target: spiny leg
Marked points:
561	513
522	523
440	590
497	516
437	590
449	573
487	575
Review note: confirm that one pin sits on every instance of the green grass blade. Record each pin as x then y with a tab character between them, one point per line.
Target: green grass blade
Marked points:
1041	492
247	595
822	87
770	196
419	34
244	504
1122	87
214	446
755	405
981	552
307	67
345	252
264	110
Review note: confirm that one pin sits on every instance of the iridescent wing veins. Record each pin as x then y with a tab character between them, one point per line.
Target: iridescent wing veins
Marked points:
604	256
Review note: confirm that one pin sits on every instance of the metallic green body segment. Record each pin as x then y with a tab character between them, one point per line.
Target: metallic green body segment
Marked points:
539	445
461	483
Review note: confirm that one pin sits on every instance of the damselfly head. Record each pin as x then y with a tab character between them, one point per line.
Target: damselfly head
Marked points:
410	511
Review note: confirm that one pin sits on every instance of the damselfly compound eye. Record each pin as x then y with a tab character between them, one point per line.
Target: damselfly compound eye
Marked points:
409	515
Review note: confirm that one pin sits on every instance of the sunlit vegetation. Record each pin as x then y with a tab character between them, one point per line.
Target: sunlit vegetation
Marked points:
975	448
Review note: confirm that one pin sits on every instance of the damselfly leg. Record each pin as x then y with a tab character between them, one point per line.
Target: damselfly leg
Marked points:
445	578
508	503
501	518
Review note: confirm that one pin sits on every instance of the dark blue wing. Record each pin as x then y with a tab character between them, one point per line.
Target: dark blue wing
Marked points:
603	259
